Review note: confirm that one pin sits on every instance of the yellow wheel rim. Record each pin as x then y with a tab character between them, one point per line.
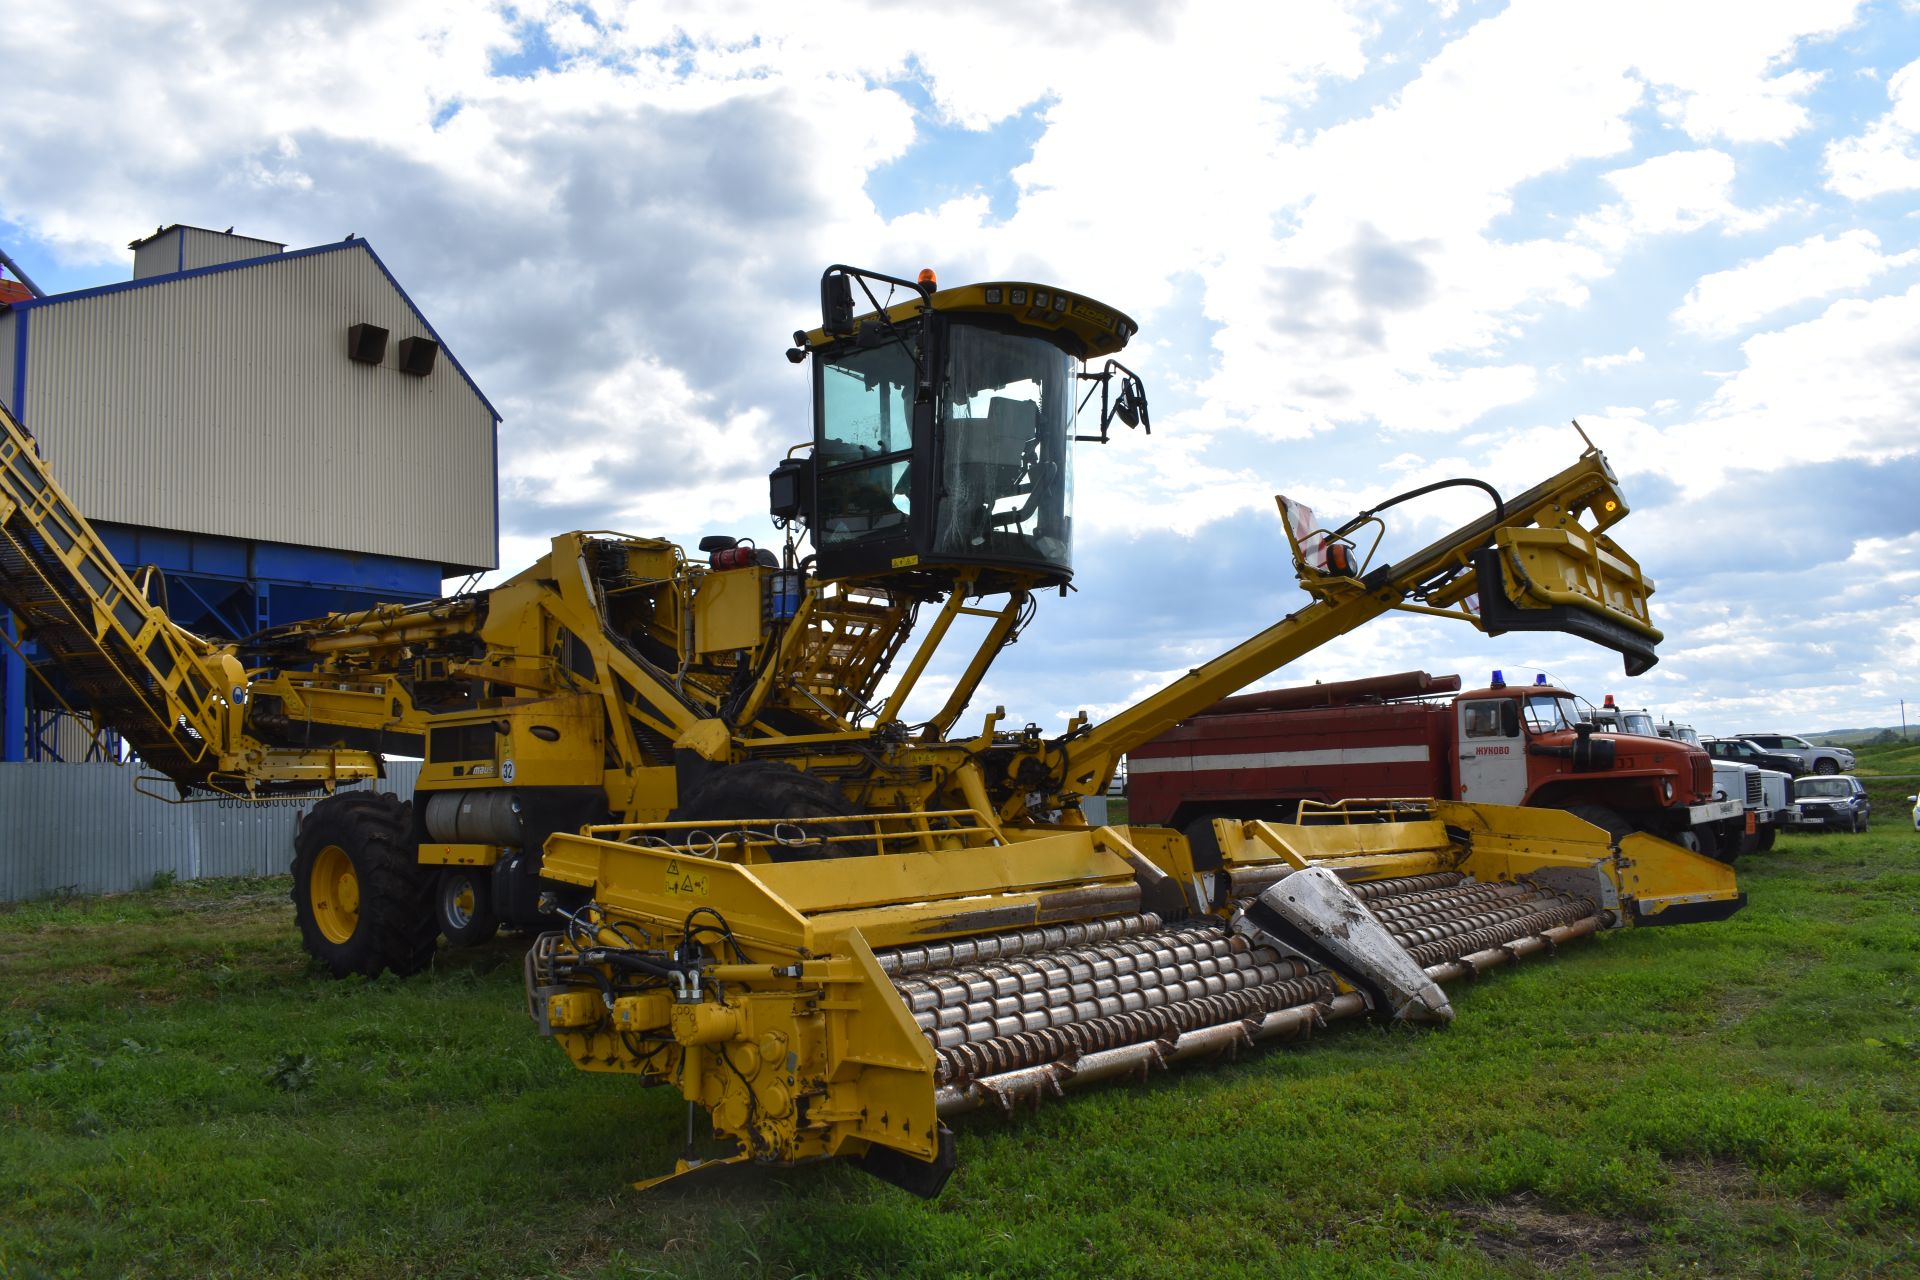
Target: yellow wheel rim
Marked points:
460	906
335	890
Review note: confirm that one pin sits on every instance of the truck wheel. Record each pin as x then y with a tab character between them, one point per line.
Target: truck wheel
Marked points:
761	793
1711	843
362	901
1764	840
1609	820
1826	767
463	906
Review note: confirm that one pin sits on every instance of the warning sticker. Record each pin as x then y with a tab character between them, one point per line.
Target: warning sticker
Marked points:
683	881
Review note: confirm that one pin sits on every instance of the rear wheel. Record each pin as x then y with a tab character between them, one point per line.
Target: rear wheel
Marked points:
761	794
463	906
362	901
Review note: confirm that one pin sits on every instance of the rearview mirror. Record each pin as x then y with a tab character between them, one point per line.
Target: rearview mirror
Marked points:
836	304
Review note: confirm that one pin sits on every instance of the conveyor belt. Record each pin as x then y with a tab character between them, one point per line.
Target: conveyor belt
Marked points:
67	609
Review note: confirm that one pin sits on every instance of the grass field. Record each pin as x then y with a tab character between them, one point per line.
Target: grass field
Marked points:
181	1093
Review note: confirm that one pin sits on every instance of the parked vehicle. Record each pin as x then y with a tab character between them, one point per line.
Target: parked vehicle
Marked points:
1766	796
1915	802
1827	760
1747	753
1613	719
1262	755
1835	802
1680	733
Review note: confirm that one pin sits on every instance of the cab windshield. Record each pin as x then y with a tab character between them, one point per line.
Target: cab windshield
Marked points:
1007	404
1638	722
1547	714
1825	788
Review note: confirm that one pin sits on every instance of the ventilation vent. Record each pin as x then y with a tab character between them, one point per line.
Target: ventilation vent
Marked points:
367	344
417	355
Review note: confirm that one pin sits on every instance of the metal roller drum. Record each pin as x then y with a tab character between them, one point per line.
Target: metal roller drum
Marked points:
1027	1011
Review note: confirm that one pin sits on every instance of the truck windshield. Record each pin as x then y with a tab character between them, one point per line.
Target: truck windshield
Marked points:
1638	722
1547	714
1007	404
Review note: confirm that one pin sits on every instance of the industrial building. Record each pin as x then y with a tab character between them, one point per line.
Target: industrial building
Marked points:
279	433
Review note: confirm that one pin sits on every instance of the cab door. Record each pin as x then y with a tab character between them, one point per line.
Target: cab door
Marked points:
1491	750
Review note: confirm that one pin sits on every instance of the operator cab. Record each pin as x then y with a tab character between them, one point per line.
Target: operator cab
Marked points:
944	426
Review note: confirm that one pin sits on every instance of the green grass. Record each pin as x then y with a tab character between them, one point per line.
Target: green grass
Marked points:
181	1093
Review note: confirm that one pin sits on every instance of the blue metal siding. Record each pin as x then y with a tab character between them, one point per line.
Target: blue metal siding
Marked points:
230	588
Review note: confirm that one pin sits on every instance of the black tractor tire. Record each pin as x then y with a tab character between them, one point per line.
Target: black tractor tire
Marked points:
760	793
463	906
362	900
1826	768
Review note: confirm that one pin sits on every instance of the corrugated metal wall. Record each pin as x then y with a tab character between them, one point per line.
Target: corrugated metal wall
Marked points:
185	248
254	422
82	828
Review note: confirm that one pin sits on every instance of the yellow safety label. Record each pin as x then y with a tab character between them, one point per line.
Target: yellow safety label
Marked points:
684	881
905	562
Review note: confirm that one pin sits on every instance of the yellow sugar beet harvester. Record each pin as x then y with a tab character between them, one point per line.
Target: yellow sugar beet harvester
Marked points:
828	927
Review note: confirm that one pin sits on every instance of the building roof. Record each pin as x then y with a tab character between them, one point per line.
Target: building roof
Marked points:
350	244
187	226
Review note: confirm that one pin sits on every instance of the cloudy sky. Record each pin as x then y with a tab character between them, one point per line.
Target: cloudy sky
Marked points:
1368	244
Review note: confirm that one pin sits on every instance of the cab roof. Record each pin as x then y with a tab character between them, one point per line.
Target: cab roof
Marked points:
1079	324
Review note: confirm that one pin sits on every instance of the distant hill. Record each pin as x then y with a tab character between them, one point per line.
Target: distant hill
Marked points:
1858	737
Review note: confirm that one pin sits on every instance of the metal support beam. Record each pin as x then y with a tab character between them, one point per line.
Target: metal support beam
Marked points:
13	691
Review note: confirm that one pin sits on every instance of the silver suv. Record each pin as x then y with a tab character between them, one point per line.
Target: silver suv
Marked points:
1813	759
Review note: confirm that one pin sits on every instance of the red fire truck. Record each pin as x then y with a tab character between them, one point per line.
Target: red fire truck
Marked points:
1260	755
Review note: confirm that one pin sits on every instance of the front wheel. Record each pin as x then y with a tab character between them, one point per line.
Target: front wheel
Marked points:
1826	768
362	901
463	906
1610	820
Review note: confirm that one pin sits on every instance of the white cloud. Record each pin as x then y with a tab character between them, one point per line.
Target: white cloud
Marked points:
1676	193
1725	302
617	245
1886	157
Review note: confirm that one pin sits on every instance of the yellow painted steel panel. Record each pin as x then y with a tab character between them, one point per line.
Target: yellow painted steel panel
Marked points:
225	404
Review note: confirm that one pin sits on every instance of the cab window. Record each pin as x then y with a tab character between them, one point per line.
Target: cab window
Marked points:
864	454
1482	719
